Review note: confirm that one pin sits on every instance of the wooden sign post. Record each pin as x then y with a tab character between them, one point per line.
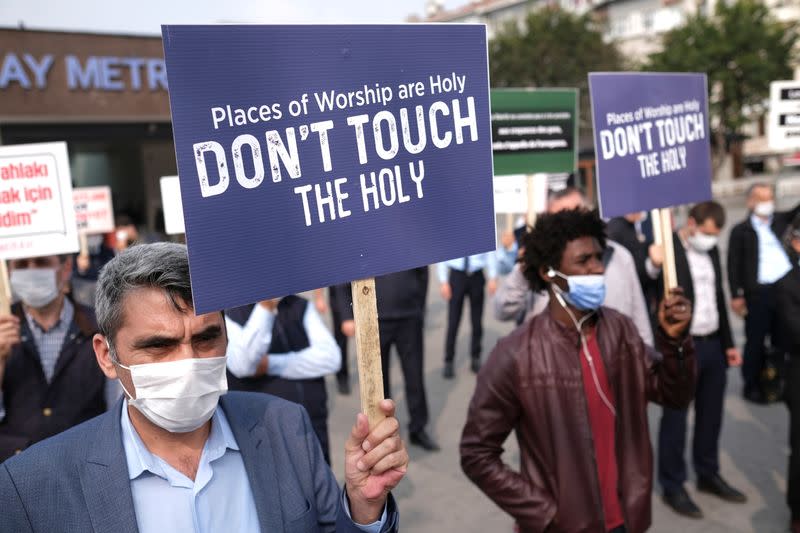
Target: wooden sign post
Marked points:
662	233
368	348
5	289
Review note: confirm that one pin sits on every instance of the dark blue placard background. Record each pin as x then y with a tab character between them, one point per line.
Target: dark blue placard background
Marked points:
621	187
247	245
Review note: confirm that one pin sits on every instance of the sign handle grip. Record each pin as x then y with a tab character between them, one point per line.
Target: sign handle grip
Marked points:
368	349
84	242
531	220
5	289
668	269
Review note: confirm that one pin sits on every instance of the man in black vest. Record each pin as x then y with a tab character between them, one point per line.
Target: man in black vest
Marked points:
697	265
50	380
756	260
282	347
401	312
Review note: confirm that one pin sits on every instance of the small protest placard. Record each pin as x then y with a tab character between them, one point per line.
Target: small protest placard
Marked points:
94	212
315	155
37	215
534	130
783	132
172	206
511	193
651	139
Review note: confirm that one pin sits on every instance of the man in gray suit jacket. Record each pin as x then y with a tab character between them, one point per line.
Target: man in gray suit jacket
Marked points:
177	455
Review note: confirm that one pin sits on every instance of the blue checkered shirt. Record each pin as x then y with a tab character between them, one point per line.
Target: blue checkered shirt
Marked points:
49	343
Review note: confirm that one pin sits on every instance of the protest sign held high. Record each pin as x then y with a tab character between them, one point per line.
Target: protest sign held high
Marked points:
652	140
37	216
93	209
357	151
534	130
783	132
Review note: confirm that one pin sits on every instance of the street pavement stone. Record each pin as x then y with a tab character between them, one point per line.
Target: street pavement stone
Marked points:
437	496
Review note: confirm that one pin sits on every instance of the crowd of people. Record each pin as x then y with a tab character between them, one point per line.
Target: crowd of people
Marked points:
144	380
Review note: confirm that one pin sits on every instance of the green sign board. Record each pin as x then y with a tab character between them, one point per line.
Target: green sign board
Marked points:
534	130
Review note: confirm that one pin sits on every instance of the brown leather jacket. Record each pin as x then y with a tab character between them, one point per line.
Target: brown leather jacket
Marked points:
532	384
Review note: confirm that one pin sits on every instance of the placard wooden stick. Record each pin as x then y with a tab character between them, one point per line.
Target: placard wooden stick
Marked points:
668	269
368	349
84	242
5	289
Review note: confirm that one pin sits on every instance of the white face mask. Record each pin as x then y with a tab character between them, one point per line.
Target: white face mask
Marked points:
179	396
764	209
36	287
702	242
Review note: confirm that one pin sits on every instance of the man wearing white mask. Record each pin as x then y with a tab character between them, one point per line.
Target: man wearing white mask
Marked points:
756	260
181	455
697	265
48	374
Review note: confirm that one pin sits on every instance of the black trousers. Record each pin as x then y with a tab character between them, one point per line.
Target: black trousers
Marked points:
406	335
708	405
341	338
465	285
793	402
761	322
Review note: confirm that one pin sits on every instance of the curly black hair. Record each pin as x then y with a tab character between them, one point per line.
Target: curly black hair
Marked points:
545	244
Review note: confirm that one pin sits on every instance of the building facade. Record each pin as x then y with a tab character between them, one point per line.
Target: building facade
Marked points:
106	96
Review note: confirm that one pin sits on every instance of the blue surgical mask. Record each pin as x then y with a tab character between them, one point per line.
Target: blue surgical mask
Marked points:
586	292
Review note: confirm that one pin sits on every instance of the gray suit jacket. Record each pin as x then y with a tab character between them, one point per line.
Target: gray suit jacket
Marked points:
78	480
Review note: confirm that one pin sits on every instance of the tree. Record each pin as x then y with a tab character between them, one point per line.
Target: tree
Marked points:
551	48
742	48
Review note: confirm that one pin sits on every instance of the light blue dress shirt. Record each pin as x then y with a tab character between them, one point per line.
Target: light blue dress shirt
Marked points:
477	262
506	259
219	499
773	263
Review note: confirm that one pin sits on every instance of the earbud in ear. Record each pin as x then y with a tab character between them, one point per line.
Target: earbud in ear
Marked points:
551	273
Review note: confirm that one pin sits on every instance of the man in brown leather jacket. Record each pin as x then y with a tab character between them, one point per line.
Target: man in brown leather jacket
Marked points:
574	383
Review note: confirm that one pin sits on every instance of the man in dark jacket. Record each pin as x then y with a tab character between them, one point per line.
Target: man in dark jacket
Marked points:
574	382
787	296
756	260
50	380
401	311
697	265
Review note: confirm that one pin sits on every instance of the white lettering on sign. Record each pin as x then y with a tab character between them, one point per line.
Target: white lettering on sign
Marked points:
104	73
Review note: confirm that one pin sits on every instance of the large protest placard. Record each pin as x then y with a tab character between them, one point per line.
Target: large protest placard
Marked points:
651	139
534	130
172	206
314	155
783	131
94	212
37	215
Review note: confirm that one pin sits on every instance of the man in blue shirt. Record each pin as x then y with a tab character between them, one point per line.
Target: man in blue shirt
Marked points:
459	279
181	455
756	260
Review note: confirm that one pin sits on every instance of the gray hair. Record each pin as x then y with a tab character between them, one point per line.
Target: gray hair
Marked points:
162	265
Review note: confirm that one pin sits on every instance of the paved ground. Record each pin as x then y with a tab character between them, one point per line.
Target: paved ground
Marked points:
436	496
